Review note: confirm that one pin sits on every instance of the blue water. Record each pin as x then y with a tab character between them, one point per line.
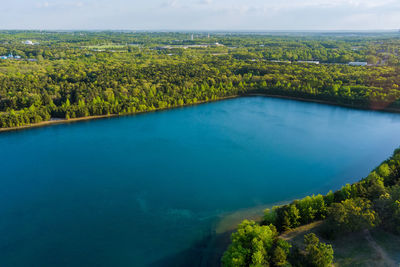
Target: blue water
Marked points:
134	191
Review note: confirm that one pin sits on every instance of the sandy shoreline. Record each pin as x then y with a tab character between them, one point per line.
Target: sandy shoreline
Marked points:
56	121
230	221
217	244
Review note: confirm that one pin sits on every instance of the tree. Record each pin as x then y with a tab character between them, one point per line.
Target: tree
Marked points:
294	216
371	59
279	257
280	253
270	216
251	245
351	215
316	253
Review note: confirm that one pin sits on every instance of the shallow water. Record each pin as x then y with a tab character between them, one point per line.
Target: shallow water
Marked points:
140	190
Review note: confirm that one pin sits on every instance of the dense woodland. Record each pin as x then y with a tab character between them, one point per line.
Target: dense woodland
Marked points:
67	75
77	74
374	202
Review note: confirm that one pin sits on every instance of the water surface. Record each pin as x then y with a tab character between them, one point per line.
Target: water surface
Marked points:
140	190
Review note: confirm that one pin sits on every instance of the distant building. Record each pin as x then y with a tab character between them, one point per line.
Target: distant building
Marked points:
196	46
219	54
181	46
358	63
280	61
28	42
308	61
10	56
163	47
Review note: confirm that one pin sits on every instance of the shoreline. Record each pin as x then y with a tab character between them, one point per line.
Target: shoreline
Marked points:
55	121
229	221
96	117
216	244
325	102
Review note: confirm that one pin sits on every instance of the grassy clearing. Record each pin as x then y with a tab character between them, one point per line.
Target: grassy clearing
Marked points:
354	249
388	242
295	236
23	67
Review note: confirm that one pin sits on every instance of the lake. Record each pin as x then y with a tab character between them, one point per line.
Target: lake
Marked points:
144	190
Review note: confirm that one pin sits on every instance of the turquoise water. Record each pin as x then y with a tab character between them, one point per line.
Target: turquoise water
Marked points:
140	190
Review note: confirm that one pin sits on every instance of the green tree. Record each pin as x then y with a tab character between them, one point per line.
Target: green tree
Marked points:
251	245
280	253
316	253
351	215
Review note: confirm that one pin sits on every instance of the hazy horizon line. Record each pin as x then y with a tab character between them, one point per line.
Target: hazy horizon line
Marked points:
203	30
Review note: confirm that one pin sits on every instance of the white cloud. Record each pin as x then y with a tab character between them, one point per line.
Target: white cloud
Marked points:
202	14
171	4
205	2
59	4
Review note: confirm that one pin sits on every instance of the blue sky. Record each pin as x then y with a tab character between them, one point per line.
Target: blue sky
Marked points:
261	15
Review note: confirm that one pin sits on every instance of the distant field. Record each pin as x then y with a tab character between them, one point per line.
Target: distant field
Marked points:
106	46
23	67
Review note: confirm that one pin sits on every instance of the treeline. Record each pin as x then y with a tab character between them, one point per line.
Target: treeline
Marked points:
86	74
71	90
26	116
372	202
375	48
371	88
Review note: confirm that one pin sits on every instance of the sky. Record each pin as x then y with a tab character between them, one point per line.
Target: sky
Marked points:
257	15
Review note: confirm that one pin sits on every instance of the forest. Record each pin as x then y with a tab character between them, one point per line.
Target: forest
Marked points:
65	75
372	203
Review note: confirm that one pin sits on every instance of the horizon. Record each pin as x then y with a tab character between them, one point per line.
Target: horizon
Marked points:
199	15
204	30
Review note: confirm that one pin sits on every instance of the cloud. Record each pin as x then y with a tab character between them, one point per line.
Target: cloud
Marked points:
202	14
42	5
170	4
59	4
205	2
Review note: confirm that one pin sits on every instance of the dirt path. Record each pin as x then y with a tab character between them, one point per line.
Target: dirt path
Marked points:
301	230
382	253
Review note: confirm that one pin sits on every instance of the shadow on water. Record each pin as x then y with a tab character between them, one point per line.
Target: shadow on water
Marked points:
206	252
209	250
